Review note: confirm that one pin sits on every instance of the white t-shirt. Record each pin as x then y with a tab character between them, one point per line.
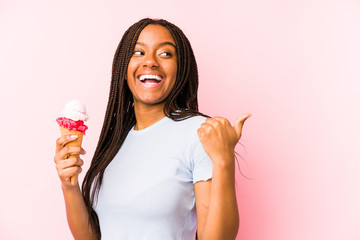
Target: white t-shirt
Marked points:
147	191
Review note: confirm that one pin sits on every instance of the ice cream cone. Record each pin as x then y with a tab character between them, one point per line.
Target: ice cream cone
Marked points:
71	122
76	143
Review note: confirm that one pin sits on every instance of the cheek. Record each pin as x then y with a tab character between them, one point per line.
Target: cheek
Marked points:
174	73
172	70
174	66
132	66
173	76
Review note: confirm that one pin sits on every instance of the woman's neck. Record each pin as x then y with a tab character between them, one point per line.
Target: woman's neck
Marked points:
148	115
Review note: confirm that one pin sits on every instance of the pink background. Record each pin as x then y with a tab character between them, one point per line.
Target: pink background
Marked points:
293	64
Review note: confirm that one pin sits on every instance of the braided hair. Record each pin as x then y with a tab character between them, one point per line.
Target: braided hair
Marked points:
120	116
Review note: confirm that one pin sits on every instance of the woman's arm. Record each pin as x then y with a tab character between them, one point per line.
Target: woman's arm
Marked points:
216	207
76	212
215	199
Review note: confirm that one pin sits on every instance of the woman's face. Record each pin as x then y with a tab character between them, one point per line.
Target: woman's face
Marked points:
151	72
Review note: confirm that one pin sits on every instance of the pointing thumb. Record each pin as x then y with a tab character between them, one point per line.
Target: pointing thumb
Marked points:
240	123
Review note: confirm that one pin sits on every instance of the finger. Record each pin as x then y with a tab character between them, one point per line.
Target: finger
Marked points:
220	119
66	151
61	141
67	163
206	126
200	133
240	123
204	131
212	121
83	152
67	173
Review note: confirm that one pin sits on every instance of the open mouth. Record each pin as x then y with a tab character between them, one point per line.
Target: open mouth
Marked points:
150	80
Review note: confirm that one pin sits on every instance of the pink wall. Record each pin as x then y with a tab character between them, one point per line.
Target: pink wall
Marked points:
293	64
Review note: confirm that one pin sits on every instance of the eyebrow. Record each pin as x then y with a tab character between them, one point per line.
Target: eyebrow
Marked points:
161	44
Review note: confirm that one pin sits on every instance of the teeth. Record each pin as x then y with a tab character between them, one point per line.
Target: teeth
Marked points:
156	77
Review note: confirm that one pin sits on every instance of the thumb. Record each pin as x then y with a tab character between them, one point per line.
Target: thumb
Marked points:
239	124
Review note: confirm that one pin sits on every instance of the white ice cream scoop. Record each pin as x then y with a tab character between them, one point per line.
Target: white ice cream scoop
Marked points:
75	110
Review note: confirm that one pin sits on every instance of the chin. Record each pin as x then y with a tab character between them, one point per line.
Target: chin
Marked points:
152	101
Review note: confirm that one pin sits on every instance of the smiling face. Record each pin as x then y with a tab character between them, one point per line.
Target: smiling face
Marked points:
152	69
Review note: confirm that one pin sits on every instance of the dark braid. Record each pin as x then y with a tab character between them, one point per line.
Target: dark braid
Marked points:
120	114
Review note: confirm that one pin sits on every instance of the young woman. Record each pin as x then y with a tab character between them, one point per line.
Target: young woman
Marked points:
162	169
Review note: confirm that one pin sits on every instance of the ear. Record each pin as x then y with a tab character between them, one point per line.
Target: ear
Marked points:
240	123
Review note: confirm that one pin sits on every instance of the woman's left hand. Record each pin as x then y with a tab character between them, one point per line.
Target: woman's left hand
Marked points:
219	138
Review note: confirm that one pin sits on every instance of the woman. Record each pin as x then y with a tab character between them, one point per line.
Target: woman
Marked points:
161	170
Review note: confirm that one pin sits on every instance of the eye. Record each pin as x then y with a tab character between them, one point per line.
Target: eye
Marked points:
167	54
138	53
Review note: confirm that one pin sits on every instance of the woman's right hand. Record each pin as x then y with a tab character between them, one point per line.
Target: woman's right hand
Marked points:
67	167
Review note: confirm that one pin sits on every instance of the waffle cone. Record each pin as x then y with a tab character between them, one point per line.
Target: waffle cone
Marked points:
76	143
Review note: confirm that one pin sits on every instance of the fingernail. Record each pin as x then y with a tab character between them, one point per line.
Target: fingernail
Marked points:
74	136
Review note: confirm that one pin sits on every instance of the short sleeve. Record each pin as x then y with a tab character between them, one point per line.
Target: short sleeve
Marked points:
201	164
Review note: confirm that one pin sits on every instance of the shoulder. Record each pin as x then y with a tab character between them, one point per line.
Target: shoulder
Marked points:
187	129
192	123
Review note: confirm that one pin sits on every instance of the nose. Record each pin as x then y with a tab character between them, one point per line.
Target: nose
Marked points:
150	61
